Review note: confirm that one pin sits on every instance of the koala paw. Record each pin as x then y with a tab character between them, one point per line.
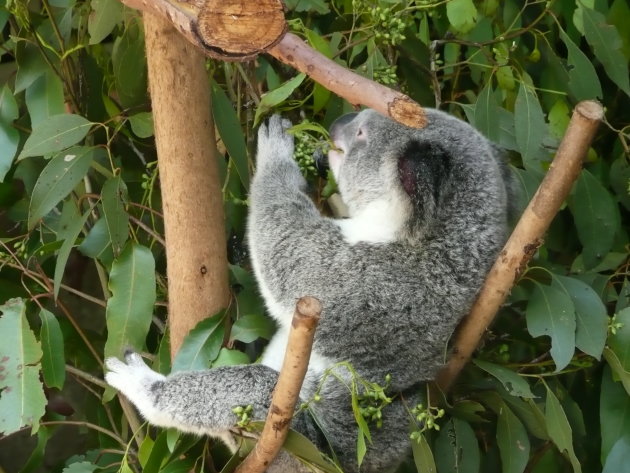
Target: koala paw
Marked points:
274	143
135	380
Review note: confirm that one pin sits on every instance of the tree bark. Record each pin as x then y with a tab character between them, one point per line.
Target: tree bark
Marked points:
287	390
196	254
526	237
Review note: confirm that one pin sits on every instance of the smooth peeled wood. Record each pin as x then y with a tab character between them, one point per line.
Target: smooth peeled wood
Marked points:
241	29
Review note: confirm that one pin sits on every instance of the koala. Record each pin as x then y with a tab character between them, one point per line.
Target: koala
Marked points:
427	217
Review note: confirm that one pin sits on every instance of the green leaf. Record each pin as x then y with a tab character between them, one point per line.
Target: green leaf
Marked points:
44	98
56	133
486	113
560	430
301	447
583	81
129	66
596	218
57	180
619	372
142	124
158	453
114	199
619	343
513	442
130	308
201	345
53	362
550	312
606	44
31	65
422	455
617	459
462	15
456	448
274	97
81	467
22	399
228	357
511	381
251	327
230	131
9	136
97	243
559	117
106	14
614	412
35	461
529	124
591	315
70	225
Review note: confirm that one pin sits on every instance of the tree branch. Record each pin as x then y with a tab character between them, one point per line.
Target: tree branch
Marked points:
526	237
223	31
287	390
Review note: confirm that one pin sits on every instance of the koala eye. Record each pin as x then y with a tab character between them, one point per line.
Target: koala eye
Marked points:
360	132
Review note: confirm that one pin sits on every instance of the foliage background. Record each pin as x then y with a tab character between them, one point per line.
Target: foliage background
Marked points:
80	224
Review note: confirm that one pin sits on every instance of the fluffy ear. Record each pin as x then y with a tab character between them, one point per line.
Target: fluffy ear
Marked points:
423	169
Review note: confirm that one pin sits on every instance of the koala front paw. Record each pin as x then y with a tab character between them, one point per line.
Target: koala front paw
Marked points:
136	381
274	143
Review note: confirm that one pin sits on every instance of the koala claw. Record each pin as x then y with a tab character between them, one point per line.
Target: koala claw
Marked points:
274	143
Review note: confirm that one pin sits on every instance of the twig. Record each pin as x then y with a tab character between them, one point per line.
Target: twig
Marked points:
526	238
287	390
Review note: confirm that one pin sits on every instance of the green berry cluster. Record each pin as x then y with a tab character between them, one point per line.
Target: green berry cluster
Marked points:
373	400
389	27
305	146
428	418
244	415
386	75
614	326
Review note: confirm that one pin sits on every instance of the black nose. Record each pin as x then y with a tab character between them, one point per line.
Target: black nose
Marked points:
321	163
340	122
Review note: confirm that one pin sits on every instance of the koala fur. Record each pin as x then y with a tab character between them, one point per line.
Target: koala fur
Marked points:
428	212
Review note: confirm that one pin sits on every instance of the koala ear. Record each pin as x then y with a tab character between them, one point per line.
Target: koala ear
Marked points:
423	169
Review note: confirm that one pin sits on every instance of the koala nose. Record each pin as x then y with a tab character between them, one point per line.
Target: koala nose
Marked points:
321	163
340	122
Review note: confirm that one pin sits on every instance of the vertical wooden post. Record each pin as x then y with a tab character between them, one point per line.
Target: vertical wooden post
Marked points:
196	252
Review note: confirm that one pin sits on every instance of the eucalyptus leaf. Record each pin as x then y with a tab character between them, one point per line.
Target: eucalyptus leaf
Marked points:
596	217
130	308
614	412
513	442
114	198
591	315
45	98
70	225
142	124
55	133
106	14
583	81
422	455
276	96
97	244
51	338
228	357
201	345
230	131
617	459
251	327
462	15
22	399
530	127
486	113
60	176
619	342
551	312
130	72
511	381
560	430
9	136
456	448
606	44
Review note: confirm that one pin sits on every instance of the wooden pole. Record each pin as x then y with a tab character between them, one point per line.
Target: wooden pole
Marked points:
196	254
287	390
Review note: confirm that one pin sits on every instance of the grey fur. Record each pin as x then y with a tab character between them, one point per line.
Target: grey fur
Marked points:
390	303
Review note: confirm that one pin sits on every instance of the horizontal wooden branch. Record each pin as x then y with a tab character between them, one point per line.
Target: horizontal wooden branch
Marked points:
526	237
233	37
